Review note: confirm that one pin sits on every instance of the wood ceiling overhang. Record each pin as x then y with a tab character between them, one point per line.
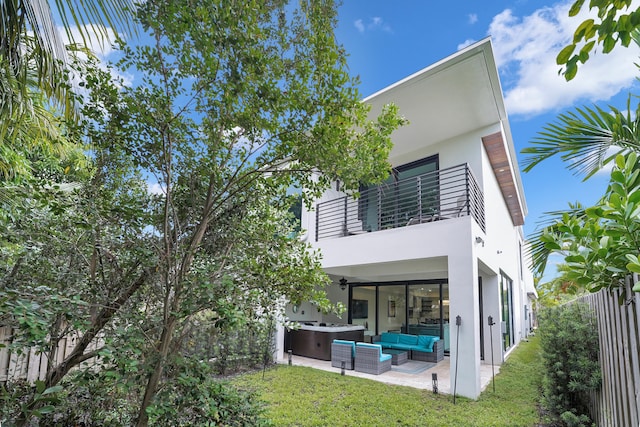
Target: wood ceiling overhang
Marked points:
499	159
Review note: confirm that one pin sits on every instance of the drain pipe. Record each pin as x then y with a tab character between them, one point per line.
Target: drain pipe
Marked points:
493	373
455	381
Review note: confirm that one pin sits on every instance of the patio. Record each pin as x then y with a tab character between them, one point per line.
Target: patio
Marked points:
411	374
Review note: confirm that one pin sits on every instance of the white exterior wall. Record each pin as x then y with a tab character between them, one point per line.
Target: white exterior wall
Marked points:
443	249
446	249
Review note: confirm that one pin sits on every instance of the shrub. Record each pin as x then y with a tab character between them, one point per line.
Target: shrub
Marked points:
191	395
569	342
195	397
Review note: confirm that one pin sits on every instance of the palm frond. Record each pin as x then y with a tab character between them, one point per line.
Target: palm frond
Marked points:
538	250
583	137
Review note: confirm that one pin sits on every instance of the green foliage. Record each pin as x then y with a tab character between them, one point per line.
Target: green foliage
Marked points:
101	398
300	396
197	398
570	346
599	244
238	101
15	398
583	138
614	25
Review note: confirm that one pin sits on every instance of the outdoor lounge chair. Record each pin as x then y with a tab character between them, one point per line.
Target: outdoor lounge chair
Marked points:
342	351
371	360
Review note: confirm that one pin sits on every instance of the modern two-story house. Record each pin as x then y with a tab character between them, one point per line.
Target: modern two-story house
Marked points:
442	238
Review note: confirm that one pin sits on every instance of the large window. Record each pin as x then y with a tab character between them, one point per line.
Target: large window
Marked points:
506	301
362	308
409	193
429	310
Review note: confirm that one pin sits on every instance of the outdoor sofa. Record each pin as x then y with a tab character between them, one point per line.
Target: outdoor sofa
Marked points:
426	348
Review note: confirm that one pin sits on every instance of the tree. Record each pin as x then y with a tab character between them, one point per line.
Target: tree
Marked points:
590	239
569	344
588	139
599	244
35	83
30	41
613	27
237	102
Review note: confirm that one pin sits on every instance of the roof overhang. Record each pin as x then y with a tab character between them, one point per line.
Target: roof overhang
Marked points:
455	96
504	170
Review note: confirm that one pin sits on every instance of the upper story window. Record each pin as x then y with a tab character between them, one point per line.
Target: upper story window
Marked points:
411	191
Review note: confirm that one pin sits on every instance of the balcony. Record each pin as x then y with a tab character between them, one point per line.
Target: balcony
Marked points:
434	196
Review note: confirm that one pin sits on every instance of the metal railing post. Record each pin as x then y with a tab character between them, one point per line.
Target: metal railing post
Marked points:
379	208
345	228
317	219
466	181
419	190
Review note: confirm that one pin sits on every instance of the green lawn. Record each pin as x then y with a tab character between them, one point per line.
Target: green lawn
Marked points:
299	396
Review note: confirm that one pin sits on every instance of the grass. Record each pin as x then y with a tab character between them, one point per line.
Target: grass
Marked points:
300	396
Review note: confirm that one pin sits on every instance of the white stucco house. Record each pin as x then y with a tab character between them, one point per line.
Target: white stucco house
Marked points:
443	236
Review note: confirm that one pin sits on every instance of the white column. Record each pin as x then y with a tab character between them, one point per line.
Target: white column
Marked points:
463	300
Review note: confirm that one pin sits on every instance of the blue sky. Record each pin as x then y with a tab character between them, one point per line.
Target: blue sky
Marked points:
389	40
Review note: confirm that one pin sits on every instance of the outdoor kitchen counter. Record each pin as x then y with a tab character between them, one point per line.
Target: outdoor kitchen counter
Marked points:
315	341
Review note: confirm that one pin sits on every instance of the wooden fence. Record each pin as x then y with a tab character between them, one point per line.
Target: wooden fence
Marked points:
618	401
28	364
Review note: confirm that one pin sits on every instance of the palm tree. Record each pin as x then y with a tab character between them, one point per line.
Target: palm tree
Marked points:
29	39
34	83
587	139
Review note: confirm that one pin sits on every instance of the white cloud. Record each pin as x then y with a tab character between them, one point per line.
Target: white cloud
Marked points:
466	43
101	48
155	188
526	50
375	23
473	18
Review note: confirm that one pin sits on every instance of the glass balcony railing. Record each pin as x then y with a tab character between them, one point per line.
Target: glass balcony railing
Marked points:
433	196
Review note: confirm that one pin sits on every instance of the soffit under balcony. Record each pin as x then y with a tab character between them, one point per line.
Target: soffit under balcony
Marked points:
455	96
416	269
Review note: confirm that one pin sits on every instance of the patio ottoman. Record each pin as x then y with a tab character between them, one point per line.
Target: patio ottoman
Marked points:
398	357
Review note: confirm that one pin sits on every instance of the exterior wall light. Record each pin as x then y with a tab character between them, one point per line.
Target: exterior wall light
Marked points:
343	283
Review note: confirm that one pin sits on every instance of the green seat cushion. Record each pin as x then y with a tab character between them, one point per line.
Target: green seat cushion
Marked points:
377	346
389	337
427	341
408	339
405	347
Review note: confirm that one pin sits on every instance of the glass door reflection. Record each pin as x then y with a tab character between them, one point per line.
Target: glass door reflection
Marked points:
429	311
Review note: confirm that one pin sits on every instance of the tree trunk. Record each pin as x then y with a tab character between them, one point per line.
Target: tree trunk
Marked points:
156	374
77	356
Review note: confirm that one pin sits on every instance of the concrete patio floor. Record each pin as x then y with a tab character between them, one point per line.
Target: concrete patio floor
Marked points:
421	380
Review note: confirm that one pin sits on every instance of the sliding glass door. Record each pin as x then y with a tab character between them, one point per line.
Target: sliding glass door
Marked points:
417	307
506	299
429	310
